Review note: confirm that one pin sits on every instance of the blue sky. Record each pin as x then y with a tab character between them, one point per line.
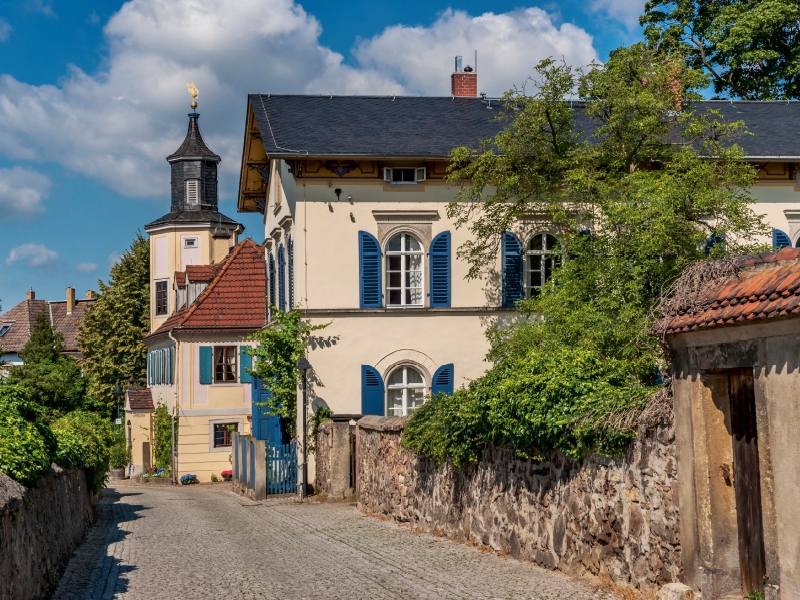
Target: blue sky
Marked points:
93	97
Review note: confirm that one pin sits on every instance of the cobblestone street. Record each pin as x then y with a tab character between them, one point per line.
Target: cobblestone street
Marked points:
205	542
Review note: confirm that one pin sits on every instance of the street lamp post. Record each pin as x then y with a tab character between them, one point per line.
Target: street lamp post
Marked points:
118	394
304	366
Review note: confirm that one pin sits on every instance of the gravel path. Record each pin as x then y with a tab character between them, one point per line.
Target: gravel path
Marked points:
204	541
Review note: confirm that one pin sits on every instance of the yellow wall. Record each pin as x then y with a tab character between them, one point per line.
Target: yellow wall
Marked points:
138	429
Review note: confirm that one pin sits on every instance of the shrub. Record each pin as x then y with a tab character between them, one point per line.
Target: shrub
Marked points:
120	452
569	401
189	479
227	475
27	446
84	441
163	437
214	478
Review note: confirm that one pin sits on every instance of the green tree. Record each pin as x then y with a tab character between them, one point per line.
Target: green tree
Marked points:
626	182
749	48
111	333
52	380
162	450
281	345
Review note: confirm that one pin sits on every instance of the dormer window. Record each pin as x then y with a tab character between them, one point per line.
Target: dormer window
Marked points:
192	192
4	328
404	175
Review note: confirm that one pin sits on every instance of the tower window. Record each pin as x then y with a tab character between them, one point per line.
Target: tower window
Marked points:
192	192
162	300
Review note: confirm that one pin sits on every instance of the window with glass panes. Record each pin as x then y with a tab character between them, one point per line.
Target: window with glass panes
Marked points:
223	434
543	257
405	391
162	299
404	279
225	364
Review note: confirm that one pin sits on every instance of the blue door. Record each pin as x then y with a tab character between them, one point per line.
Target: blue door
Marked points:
265	427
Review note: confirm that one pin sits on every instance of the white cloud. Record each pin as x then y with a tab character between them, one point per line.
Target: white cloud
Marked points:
34	255
87	267
21	192
113	258
43	7
5	30
509	46
625	11
117	125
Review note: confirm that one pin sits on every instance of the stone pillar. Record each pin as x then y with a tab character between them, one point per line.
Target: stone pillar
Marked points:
235	457
260	476
340	459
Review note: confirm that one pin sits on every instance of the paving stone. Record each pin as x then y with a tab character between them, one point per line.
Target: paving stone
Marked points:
202	541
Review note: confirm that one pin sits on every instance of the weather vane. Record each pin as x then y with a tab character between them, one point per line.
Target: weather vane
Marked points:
193	91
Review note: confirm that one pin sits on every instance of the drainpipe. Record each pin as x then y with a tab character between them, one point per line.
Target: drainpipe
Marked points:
176	379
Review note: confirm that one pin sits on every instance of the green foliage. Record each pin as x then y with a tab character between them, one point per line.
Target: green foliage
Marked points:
26	444
84	440
120	452
755	595
281	345
162	450
571	401
322	415
52	380
632	203
111	333
749	48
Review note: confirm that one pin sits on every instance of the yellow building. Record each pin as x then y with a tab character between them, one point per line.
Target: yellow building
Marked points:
208	297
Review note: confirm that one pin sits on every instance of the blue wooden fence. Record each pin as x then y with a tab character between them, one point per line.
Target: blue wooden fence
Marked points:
282	469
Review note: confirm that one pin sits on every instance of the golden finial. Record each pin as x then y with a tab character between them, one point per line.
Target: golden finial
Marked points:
193	91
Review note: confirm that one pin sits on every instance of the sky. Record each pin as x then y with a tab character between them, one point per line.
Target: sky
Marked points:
93	98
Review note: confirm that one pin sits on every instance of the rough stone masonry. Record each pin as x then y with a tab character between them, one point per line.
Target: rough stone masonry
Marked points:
595	515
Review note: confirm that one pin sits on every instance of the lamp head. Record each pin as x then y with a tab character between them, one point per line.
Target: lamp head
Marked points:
303	364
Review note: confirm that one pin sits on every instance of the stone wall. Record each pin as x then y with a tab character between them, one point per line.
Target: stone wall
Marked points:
598	514
332	460
322	458
40	528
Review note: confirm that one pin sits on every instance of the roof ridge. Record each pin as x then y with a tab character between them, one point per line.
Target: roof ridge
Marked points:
201	298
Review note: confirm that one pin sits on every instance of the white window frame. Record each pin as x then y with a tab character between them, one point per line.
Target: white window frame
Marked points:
544	254
235	380
191	191
405	386
4	328
420	175
155	298
191	242
404	254
240	430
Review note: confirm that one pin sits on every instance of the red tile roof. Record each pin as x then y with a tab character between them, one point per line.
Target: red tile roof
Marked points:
180	279
234	300
23	316
140	399
201	272
767	287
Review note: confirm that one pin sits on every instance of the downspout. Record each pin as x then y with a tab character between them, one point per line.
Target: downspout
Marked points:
175	387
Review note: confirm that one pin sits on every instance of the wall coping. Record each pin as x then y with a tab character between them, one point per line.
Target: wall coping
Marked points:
376	423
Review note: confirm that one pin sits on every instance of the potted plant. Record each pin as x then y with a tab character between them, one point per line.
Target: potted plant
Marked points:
227	475
119	456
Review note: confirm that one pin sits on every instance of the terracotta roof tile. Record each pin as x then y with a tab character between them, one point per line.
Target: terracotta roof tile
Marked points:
201	272
234	300
180	279
23	316
767	287
140	399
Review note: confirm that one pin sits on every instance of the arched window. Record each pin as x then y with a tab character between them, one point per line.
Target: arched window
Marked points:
405	391
404	281
542	258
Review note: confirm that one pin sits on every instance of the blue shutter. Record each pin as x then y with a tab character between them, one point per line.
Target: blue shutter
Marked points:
206	364
272	301
443	380
171	365
780	239
440	270
512	269
371	391
281	279
150	368
245	362
160	367
291	273
369	266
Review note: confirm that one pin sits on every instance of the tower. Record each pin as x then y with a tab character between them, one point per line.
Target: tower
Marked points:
194	232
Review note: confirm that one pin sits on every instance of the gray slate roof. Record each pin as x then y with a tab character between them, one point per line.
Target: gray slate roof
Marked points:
192	216
193	145
402	126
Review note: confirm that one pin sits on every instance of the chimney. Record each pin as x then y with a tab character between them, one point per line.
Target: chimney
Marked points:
31	294
464	83
91	294
70	300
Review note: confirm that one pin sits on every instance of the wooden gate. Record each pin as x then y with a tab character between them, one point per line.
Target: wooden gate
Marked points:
747	479
282	469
